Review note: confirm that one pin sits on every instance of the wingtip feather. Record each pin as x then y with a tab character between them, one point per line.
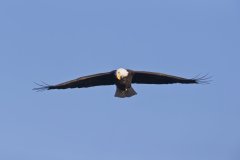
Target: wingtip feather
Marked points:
205	79
42	87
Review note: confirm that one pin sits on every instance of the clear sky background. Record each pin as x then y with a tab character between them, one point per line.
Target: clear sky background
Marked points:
57	40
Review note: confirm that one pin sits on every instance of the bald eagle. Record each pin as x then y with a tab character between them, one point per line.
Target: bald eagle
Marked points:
123	79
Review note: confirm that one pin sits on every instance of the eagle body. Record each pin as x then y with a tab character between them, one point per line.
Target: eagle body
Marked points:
123	79
124	82
124	86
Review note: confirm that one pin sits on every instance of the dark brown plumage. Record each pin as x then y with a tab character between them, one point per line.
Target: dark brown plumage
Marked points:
123	79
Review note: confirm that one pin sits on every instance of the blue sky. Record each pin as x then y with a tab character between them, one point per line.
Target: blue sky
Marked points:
55	41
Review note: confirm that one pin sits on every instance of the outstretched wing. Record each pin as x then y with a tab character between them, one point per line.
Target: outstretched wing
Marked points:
143	77
82	82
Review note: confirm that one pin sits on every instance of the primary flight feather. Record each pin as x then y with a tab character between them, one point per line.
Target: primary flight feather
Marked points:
123	78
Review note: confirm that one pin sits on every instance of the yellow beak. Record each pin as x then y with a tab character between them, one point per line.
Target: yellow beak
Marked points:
118	77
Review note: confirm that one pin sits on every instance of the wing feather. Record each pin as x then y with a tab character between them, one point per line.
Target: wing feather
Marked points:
143	77
83	82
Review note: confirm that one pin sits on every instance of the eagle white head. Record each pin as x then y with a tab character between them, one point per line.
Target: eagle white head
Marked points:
121	73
